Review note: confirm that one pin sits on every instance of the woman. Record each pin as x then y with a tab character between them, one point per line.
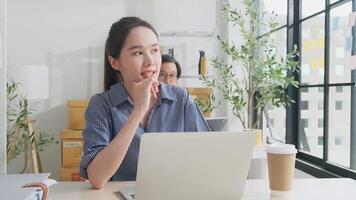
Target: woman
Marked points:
133	104
170	70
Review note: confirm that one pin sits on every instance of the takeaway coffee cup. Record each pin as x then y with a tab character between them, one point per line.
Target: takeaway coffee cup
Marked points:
281	161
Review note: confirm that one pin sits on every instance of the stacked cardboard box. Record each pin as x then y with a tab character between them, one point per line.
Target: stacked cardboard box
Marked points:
202	95
72	141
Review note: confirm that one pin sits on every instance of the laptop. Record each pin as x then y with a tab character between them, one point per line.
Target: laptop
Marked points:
191	166
217	123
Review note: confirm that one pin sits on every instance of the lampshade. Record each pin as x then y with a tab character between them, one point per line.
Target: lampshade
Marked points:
33	79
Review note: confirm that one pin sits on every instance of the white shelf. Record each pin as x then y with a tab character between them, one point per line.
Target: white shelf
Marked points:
194	76
187	34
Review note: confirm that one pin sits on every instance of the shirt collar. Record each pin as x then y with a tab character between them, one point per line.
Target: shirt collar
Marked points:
120	95
166	92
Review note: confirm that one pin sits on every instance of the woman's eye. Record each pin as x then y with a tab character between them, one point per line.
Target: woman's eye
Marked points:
137	53
155	50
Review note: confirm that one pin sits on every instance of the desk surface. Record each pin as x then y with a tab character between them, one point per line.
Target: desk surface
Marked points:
337	188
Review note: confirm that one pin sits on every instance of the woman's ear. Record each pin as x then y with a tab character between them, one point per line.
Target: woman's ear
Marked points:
114	63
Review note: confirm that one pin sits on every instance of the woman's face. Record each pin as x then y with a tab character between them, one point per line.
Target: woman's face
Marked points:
168	73
140	57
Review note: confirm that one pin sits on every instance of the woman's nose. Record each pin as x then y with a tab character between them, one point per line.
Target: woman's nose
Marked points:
148	60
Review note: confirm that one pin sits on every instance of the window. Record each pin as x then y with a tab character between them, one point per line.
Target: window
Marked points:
325	41
338	105
305	70
338	140
321	72
320	123
340	52
304	89
320	140
304	123
333	1
312	7
338	89
312	54
339	70
279	8
307	33
274	7
320	105
304	105
339	127
277	121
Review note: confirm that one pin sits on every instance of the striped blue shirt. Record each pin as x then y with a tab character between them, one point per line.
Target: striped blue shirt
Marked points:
175	111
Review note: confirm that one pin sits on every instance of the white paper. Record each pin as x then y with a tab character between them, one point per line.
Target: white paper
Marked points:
49	182
38	192
11	185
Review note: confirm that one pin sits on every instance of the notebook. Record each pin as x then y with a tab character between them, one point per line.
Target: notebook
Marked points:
209	166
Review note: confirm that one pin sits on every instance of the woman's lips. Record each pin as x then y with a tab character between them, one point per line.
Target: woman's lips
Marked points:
147	74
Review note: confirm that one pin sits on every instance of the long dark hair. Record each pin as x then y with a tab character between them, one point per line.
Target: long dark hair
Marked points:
114	43
168	58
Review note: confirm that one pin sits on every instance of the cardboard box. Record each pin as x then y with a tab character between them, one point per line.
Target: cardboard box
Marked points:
203	96
72	148
76	112
70	174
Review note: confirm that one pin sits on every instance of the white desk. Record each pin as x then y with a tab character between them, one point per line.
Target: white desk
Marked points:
304	189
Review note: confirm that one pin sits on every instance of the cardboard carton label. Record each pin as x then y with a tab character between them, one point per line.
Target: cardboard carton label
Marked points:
74	144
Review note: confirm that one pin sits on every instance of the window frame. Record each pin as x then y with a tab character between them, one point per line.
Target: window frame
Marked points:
319	167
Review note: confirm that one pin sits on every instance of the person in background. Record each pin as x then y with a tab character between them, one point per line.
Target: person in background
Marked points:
133	103
170	70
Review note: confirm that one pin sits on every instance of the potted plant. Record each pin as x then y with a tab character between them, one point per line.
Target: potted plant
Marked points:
265	76
21	137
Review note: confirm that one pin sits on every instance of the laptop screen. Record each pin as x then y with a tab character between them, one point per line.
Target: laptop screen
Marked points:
217	123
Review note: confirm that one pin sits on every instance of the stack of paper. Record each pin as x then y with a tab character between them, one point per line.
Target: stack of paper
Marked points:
11	185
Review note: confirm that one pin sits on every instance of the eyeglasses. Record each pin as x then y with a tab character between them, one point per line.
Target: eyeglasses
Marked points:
171	76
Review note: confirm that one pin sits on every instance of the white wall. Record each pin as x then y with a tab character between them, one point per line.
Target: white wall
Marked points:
3	86
68	37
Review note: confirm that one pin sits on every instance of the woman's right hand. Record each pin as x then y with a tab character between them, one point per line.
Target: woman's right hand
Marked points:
142	92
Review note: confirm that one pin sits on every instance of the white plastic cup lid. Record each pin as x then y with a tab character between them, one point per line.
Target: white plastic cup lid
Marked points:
281	149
